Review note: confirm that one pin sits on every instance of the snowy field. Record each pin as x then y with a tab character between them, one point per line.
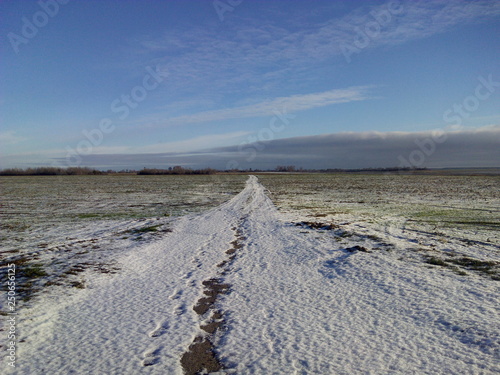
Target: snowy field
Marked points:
59	226
283	274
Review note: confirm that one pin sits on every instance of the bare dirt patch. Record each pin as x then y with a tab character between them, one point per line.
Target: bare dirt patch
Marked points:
201	356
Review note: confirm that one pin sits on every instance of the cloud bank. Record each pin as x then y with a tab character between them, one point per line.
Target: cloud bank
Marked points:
453	149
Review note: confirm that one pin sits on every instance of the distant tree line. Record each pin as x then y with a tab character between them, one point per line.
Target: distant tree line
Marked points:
49	171
177	170
73	171
286	168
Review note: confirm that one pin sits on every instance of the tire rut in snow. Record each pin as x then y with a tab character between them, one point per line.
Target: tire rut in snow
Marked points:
201	355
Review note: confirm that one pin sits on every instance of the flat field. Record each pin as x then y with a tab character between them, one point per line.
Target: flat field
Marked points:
466	207
280	273
52	224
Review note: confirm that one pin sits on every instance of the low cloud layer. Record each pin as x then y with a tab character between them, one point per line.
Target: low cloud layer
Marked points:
460	148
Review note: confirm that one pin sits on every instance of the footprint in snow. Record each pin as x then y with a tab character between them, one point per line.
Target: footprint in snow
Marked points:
330	263
160	329
151	357
301	367
176	294
179	310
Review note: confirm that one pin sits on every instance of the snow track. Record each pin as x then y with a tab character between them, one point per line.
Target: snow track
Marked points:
290	302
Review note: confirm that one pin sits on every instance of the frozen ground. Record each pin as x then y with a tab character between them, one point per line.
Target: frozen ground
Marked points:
286	293
466	207
56	227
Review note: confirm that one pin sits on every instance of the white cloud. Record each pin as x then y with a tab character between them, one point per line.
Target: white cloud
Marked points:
288	104
10	138
197	143
187	145
258	58
259	55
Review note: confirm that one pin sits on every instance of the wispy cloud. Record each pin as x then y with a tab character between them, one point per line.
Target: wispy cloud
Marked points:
264	56
10	138
260	60
290	104
187	145
421	19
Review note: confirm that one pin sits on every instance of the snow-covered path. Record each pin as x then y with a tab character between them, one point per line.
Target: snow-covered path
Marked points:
299	302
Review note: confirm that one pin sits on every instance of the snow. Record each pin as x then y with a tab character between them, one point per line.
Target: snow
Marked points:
301	301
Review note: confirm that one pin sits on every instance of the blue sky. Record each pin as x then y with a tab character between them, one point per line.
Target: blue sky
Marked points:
129	84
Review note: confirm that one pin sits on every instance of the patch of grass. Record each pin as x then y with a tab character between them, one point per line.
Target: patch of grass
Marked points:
476	222
473	263
436	261
16	226
345	234
78	284
316	225
434	213
75	270
88	216
153	228
33	271
51	283
374	238
458	271
485	267
26	290
18	262
109	215
140	231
